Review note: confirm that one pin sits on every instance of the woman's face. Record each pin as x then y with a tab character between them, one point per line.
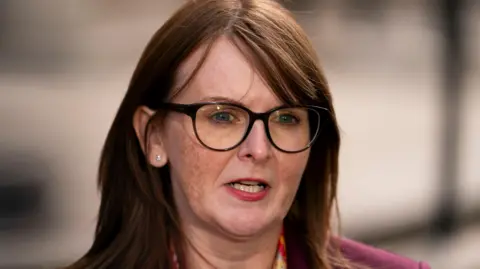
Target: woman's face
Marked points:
201	176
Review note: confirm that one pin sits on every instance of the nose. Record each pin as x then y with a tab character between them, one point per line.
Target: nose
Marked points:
256	146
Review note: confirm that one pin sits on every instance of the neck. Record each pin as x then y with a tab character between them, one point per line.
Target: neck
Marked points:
206	249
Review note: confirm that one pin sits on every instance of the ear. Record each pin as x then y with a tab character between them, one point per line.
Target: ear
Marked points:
149	137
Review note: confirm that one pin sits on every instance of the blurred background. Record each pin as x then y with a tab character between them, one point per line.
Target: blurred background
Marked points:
405	77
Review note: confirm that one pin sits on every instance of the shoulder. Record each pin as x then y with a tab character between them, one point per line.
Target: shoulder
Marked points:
354	252
370	256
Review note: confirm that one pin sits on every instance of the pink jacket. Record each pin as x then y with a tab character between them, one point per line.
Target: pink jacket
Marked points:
354	251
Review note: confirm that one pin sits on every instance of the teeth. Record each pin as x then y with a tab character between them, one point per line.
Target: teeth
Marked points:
246	182
248	188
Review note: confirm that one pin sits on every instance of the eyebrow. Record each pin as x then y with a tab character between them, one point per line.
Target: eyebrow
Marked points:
228	100
221	99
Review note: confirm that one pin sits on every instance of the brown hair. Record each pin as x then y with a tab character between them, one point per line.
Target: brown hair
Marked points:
137	221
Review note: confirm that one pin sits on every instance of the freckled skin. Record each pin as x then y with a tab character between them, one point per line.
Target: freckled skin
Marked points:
199	175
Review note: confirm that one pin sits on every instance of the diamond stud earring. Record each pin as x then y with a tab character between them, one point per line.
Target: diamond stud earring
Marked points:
158	158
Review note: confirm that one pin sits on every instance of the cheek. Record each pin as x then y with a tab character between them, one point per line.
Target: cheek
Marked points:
291	169
194	168
293	166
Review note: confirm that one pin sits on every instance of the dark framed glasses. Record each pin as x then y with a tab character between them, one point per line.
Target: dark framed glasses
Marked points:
222	126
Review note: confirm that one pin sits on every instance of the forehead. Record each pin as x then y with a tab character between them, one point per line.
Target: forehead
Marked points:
226	72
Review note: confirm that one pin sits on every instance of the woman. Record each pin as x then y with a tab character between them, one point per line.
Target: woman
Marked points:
224	151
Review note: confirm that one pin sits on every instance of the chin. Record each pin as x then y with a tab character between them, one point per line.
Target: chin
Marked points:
244	224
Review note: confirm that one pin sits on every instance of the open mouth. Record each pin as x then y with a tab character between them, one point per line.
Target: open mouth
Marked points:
248	186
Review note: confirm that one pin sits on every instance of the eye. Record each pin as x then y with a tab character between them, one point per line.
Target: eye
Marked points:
286	119
222	117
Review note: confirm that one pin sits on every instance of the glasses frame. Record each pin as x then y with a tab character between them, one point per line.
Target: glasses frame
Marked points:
192	109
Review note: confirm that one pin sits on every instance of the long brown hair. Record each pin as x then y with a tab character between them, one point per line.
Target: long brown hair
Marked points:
138	222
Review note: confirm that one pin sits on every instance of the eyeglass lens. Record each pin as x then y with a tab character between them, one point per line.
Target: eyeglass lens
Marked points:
224	126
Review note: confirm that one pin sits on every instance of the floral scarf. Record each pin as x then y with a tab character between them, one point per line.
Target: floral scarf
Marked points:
280	260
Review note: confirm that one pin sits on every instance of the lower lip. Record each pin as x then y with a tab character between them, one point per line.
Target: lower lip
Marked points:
247	196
